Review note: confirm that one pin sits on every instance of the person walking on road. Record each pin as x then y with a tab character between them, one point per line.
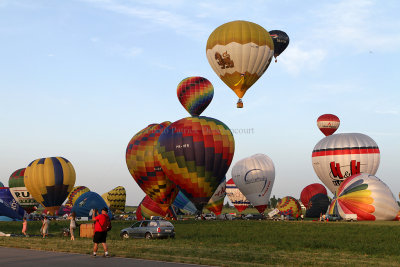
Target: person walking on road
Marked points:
102	224
72	225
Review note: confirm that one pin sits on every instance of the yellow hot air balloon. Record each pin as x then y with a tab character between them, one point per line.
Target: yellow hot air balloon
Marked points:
49	180
115	199
240	52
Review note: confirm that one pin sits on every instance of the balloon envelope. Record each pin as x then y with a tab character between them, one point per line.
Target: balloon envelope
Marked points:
148	208
76	192
115	198
195	94
9	207
216	202
255	177
328	124
182	202
20	192
367	196
87	202
317	205
50	180
145	167
236	197
289	206
281	41
239	52
311	190
195	153
339	156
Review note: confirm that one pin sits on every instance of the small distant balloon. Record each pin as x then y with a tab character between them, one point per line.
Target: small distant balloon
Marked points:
195	94
328	124
281	42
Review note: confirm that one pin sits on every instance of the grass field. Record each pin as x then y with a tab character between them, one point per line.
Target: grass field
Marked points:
240	243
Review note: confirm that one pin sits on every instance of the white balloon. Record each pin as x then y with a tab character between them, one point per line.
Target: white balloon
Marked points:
255	176
339	156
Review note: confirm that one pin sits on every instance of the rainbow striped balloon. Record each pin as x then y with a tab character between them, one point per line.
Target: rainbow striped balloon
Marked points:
195	94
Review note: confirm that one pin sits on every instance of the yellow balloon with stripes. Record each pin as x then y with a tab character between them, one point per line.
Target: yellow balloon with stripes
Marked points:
50	180
115	199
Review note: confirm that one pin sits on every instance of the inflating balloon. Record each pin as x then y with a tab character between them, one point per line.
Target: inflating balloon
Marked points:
195	153
1	184
115	199
367	196
148	208
239	52
289	206
281	41
50	180
255	177
87	202
145	167
216	202
195	94
311	190
9	206
317	205
328	124
20	193
76	192
236	197
339	156
183	203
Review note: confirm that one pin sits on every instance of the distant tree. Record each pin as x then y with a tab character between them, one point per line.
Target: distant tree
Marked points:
227	205
273	201
398	203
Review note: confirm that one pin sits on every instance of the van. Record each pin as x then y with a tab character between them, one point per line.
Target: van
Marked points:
350	217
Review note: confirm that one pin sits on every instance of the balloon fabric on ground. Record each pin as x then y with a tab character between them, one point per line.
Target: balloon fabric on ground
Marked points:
328	124
195	153
20	192
239	52
9	207
87	202
255	176
237	198
195	94
311	190
367	196
145	167
50	180
339	156
148	208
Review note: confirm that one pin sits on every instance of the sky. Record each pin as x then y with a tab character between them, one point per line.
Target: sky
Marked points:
78	78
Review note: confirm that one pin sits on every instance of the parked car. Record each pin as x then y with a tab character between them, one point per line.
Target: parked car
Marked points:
149	229
254	217
350	217
208	216
332	218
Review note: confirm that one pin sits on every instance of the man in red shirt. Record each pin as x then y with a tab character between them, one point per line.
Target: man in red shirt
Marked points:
101	224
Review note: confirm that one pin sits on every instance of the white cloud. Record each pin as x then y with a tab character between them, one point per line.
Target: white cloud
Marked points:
128	52
387	110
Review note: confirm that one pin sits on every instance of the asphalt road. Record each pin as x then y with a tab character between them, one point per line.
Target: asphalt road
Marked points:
17	257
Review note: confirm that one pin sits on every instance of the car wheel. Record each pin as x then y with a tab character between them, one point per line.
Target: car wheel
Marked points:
125	235
148	236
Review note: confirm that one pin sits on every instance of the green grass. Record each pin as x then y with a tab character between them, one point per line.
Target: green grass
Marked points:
240	243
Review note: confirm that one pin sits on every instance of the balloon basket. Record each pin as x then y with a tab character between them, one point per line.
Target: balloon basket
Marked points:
239	104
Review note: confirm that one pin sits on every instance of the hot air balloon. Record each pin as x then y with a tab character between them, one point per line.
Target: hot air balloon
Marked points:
115	198
50	180
281	41
239	52
20	193
9	206
367	196
328	124
339	156
317	205
195	153
148	208
88	202
236	197
216	202
195	94
145	167
76	192
311	190
289	206
255	176
1	184
182	202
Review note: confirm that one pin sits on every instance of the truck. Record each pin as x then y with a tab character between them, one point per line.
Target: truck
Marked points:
350	217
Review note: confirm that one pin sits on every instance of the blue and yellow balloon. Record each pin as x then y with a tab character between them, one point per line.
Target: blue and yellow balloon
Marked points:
50	180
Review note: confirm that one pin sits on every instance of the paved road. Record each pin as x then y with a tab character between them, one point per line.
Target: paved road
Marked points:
17	257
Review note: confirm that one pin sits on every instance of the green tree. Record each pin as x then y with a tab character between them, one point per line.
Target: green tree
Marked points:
273	202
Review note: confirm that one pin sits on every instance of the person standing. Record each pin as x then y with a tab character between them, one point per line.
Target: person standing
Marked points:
24	227
102	224
45	227
72	225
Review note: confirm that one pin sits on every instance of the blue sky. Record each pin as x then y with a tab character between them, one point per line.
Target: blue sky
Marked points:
79	78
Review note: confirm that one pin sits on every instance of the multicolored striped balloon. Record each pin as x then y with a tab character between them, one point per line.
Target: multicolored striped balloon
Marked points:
50	180
148	208
367	196
195	153
195	94
76	192
236	197
145	167
216	202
